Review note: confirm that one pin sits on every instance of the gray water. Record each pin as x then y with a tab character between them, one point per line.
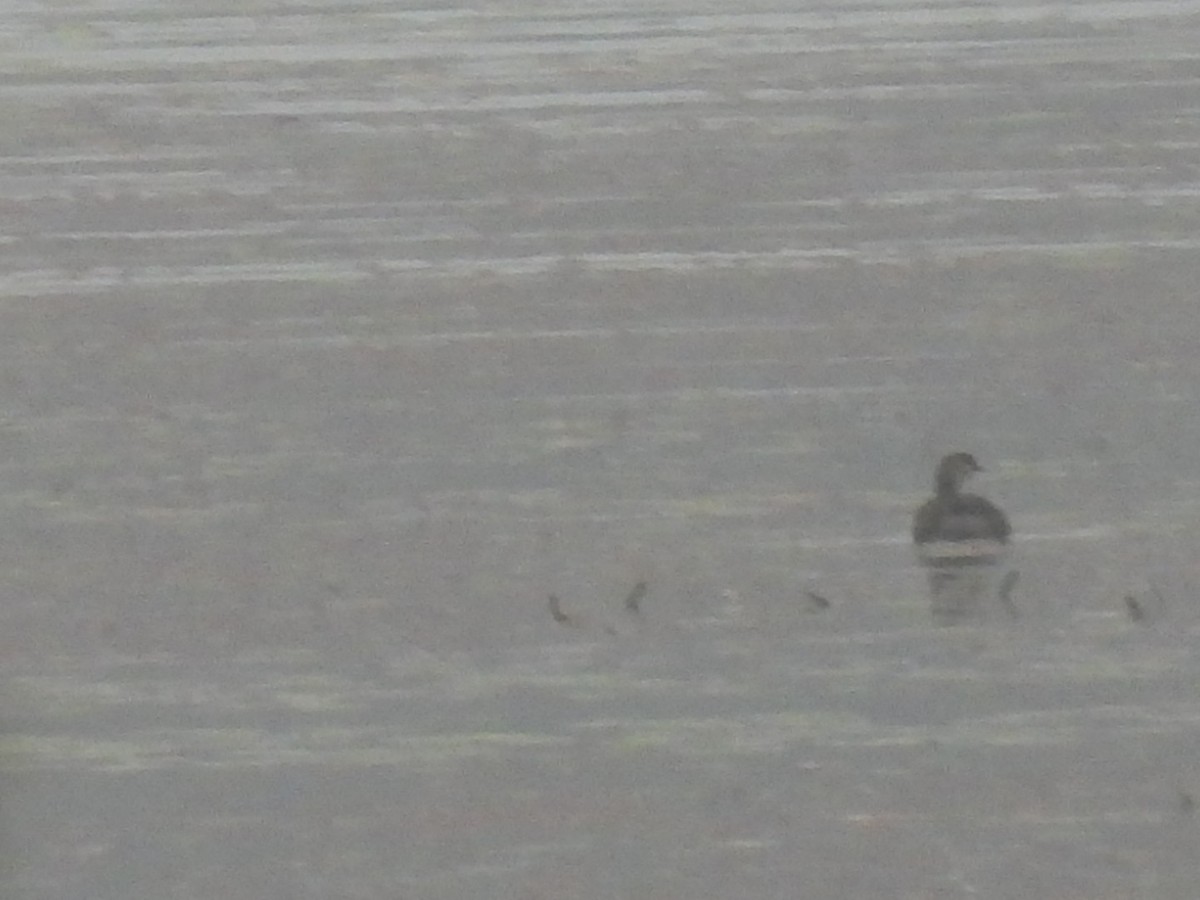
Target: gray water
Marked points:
338	337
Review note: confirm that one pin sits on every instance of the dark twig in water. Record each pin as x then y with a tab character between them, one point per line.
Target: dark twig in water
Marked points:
816	602
556	611
1136	613
1005	592
635	597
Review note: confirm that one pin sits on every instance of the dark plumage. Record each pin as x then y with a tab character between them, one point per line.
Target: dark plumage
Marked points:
950	515
959	538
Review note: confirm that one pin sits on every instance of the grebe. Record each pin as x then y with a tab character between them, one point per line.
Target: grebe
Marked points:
960	538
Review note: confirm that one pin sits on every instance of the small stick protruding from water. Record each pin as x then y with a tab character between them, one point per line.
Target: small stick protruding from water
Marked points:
556	612
635	597
1005	592
1136	613
816	602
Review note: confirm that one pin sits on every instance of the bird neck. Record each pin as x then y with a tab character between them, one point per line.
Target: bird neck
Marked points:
947	486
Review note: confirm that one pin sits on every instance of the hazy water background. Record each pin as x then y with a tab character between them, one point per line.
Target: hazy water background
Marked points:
338	335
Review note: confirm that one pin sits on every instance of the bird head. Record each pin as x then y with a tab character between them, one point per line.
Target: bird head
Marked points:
954	469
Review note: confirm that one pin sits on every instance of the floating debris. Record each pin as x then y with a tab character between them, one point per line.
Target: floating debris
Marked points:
635	597
816	602
1136	613
556	611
